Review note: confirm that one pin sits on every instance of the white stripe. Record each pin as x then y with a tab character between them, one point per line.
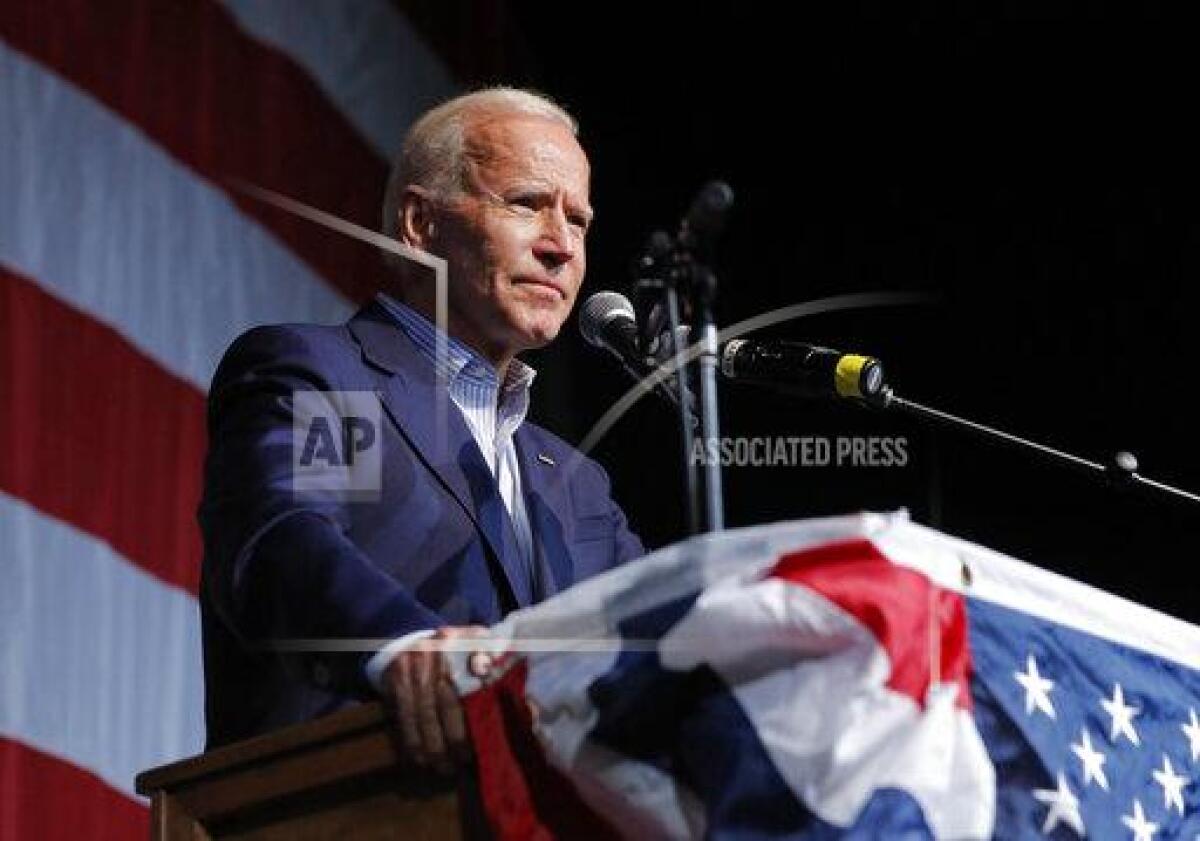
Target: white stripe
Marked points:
110	223
365	56
102	661
1038	592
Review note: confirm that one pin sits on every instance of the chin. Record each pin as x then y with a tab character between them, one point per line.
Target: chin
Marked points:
541	338
540	334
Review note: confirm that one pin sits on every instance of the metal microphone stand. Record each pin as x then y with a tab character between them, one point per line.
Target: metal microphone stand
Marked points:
704	289
649	290
671	268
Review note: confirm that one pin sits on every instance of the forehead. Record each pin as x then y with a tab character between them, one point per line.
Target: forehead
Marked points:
525	147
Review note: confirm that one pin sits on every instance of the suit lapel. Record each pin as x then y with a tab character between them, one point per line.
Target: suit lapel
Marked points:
410	397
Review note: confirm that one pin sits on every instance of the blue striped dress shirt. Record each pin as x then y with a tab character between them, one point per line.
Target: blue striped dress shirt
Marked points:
492	410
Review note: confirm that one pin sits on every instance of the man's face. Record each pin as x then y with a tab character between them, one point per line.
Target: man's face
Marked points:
515	240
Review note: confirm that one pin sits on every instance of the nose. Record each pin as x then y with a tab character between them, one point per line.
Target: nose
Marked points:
557	243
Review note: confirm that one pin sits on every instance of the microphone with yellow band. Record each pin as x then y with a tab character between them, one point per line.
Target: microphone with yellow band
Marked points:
803	370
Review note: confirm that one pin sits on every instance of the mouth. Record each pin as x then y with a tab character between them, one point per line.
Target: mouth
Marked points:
547	287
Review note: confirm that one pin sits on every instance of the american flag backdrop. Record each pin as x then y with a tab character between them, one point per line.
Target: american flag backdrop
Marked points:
128	261
857	677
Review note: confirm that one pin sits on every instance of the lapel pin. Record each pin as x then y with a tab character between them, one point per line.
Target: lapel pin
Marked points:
545	459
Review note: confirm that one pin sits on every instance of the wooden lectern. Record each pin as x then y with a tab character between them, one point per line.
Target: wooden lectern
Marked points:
338	777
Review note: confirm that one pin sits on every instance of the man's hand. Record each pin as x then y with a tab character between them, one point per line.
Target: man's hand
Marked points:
418	682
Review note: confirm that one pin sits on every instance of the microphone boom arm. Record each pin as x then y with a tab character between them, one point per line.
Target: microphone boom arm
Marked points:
1121	472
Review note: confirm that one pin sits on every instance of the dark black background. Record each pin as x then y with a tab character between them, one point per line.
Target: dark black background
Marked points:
1032	171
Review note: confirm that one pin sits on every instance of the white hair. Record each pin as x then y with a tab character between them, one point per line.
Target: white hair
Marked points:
433	154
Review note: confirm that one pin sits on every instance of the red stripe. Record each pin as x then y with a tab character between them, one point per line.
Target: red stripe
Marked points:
45	798
225	105
903	609
524	796
96	433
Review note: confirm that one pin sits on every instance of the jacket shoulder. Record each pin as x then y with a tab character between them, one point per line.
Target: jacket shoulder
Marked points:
284	346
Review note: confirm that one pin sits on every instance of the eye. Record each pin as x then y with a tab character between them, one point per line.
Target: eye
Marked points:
524	202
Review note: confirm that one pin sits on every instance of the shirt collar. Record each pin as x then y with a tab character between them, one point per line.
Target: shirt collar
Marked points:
462	366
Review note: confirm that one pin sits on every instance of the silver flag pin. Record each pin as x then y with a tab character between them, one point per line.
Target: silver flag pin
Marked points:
545	459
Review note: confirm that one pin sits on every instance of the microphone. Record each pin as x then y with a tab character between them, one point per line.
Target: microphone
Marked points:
803	370
607	321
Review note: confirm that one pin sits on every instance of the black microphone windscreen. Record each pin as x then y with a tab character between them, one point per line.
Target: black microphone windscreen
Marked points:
598	310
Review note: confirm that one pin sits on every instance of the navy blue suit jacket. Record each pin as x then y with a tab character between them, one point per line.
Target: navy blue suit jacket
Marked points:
436	548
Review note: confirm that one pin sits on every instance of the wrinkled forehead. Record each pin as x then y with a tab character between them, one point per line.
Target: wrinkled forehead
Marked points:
508	146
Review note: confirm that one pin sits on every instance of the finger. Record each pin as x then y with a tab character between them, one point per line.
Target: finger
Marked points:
428	722
480	663
404	690
454	724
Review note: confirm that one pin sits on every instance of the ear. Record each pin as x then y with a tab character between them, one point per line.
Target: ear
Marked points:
417	226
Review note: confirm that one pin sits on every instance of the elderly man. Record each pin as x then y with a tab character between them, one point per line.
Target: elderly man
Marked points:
471	520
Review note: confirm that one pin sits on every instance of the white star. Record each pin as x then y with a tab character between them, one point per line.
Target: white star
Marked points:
1091	760
1122	716
1037	688
1141	828
1172	785
1192	731
1064	806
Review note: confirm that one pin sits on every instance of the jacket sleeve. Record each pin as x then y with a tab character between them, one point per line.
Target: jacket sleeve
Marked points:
278	563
